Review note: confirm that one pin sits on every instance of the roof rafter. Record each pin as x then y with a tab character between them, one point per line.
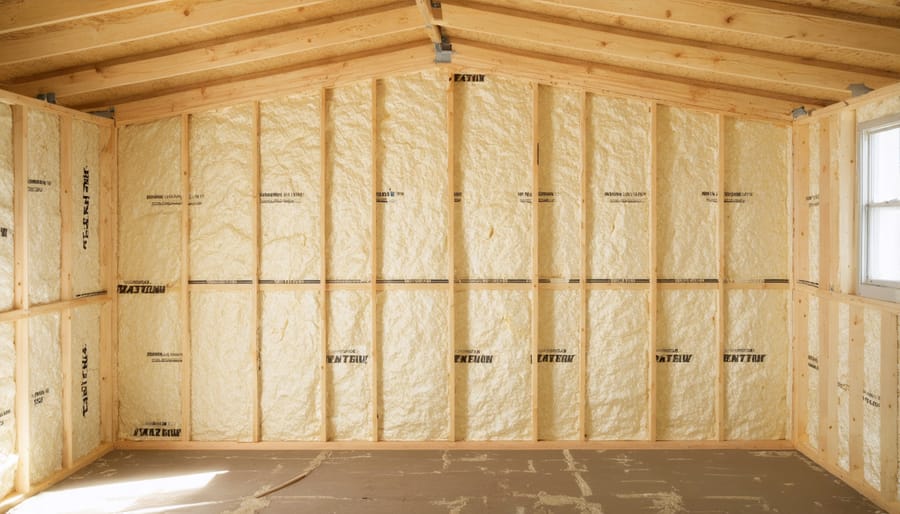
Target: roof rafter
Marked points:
29	14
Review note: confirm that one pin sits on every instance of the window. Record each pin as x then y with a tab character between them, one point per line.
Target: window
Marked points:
879	200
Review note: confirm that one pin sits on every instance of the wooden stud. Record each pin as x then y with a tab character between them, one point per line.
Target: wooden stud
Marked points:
184	280
451	261
535	267
374	360
65	316
825	206
888	406
323	264
800	136
654	288
800	381
828	313
256	302
846	189
856	365
20	295
720	296
109	237
582	282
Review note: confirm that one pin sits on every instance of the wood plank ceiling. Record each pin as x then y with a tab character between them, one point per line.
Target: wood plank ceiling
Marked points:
101	53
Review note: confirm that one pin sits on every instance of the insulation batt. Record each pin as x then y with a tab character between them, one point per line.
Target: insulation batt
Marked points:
290	190
8	454
687	183
85	376
290	353
756	221
812	395
149	367
348	168
7	258
43	205
618	341
872	397
493	162
85	208
222	373
150	201
412	191
493	373
756	363
414	387
349	369
222	247
559	183
45	380
842	386
686	389
618	185
812	199
558	364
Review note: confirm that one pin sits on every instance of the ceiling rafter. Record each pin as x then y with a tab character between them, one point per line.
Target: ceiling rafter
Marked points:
29	14
434	32
381	21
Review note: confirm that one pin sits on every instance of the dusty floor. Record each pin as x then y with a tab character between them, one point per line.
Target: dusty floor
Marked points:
424	481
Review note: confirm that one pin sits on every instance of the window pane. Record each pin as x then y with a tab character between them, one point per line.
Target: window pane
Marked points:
884	243
884	157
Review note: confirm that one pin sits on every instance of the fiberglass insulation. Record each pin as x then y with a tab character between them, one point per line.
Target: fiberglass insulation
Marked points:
412	166
45	380
222	371
559	184
618	166
756	180
756	362
290	357
349	365
618	341
558	362
85	380
414	340
493	373
8	453
85	208
43	207
348	168
290	189
7	258
686	365
222	248
872	397
493	164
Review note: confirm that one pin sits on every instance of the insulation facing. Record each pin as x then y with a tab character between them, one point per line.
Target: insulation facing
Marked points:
349	365
618	165
85	208
150	202
558	376
43	207
290	353
872	397
493	372
45	380
493	128
412	191
812	396
685	365
221	152
348	168
7	258
222	373
8	453
756	364
290	188
414	389
85	380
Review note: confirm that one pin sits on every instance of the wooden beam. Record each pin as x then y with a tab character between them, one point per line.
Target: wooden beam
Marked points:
615	81
653	299
256	302
800	382
10	98
109	239
20	297
171	19
856	382
392	19
583	267
29	14
888	406
780	73
800	138
374	360
433	31
451	260
326	73
720	274
65	277
847	192
535	254
184	280
323	264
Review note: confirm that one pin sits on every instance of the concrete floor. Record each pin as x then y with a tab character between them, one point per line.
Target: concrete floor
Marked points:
457	481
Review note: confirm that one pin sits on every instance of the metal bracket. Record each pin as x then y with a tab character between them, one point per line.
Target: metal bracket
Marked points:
799	111
108	113
50	98
859	89
443	51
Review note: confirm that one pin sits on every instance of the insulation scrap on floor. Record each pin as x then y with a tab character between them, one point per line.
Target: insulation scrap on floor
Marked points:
150	202
686	365
85	380
222	369
756	363
149	366
872	397
7	257
841	383
617	366
43	207
756	186
348	169
558	364
559	183
290	366
493	372
493	179
45	389
85	208
221	155
812	394
290	189
812	201
411	193
349	365
9	457
414	388
618	169
687	163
